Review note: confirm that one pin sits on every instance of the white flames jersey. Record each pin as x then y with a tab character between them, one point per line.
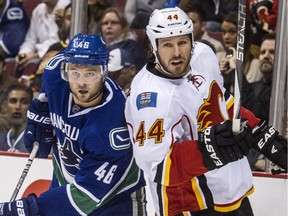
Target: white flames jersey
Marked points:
164	116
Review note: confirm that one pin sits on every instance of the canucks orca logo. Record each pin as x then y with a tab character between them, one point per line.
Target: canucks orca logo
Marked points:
69	157
119	138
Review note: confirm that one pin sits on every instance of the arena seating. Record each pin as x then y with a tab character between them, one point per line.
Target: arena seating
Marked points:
216	35
29	5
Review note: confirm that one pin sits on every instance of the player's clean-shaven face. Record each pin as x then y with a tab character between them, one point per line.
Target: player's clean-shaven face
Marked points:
174	54
85	83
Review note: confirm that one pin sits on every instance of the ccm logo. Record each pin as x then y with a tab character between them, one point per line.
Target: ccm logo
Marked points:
37	118
266	137
210	148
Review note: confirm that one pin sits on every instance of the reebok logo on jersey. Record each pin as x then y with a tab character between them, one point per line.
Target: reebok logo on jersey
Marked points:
146	99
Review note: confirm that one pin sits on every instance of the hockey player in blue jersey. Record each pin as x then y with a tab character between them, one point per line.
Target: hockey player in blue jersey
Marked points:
94	168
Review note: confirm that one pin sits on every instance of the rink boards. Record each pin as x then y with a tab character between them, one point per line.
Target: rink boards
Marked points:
270	196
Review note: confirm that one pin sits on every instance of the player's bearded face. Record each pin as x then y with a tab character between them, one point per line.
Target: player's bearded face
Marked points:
174	54
85	82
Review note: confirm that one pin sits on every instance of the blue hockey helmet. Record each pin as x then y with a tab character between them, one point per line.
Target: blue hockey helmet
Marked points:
86	50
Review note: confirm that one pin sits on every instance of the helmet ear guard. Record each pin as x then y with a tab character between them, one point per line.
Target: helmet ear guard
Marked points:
64	75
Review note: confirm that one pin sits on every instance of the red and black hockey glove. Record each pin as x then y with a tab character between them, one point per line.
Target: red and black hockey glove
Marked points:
219	145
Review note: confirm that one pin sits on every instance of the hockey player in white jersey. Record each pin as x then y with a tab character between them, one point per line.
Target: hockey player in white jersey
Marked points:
94	169
178	116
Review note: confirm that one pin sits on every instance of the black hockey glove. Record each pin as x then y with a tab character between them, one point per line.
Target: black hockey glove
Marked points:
267	141
24	206
219	145
39	128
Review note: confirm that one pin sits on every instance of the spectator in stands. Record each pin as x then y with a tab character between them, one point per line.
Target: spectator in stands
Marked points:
259	99
197	14
215	10
138	12
250	66
64	36
263	14
64	31
42	33
19	2
14	24
208	43
116	34
121	68
34	80
96	9
17	99
5	80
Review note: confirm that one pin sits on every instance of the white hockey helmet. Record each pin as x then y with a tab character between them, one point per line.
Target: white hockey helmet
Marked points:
168	22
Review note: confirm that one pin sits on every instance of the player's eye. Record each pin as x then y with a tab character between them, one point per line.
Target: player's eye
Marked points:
89	74
183	42
167	45
75	74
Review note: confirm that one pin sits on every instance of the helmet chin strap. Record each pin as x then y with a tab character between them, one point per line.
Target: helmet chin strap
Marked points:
96	96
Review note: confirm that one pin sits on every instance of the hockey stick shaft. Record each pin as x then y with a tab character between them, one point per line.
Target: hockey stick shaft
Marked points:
239	68
25	171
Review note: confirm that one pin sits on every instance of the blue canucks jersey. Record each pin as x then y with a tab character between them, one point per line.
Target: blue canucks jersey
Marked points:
14	24
93	160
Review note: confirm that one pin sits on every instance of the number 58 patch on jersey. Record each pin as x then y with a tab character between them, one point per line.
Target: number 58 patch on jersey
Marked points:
119	138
